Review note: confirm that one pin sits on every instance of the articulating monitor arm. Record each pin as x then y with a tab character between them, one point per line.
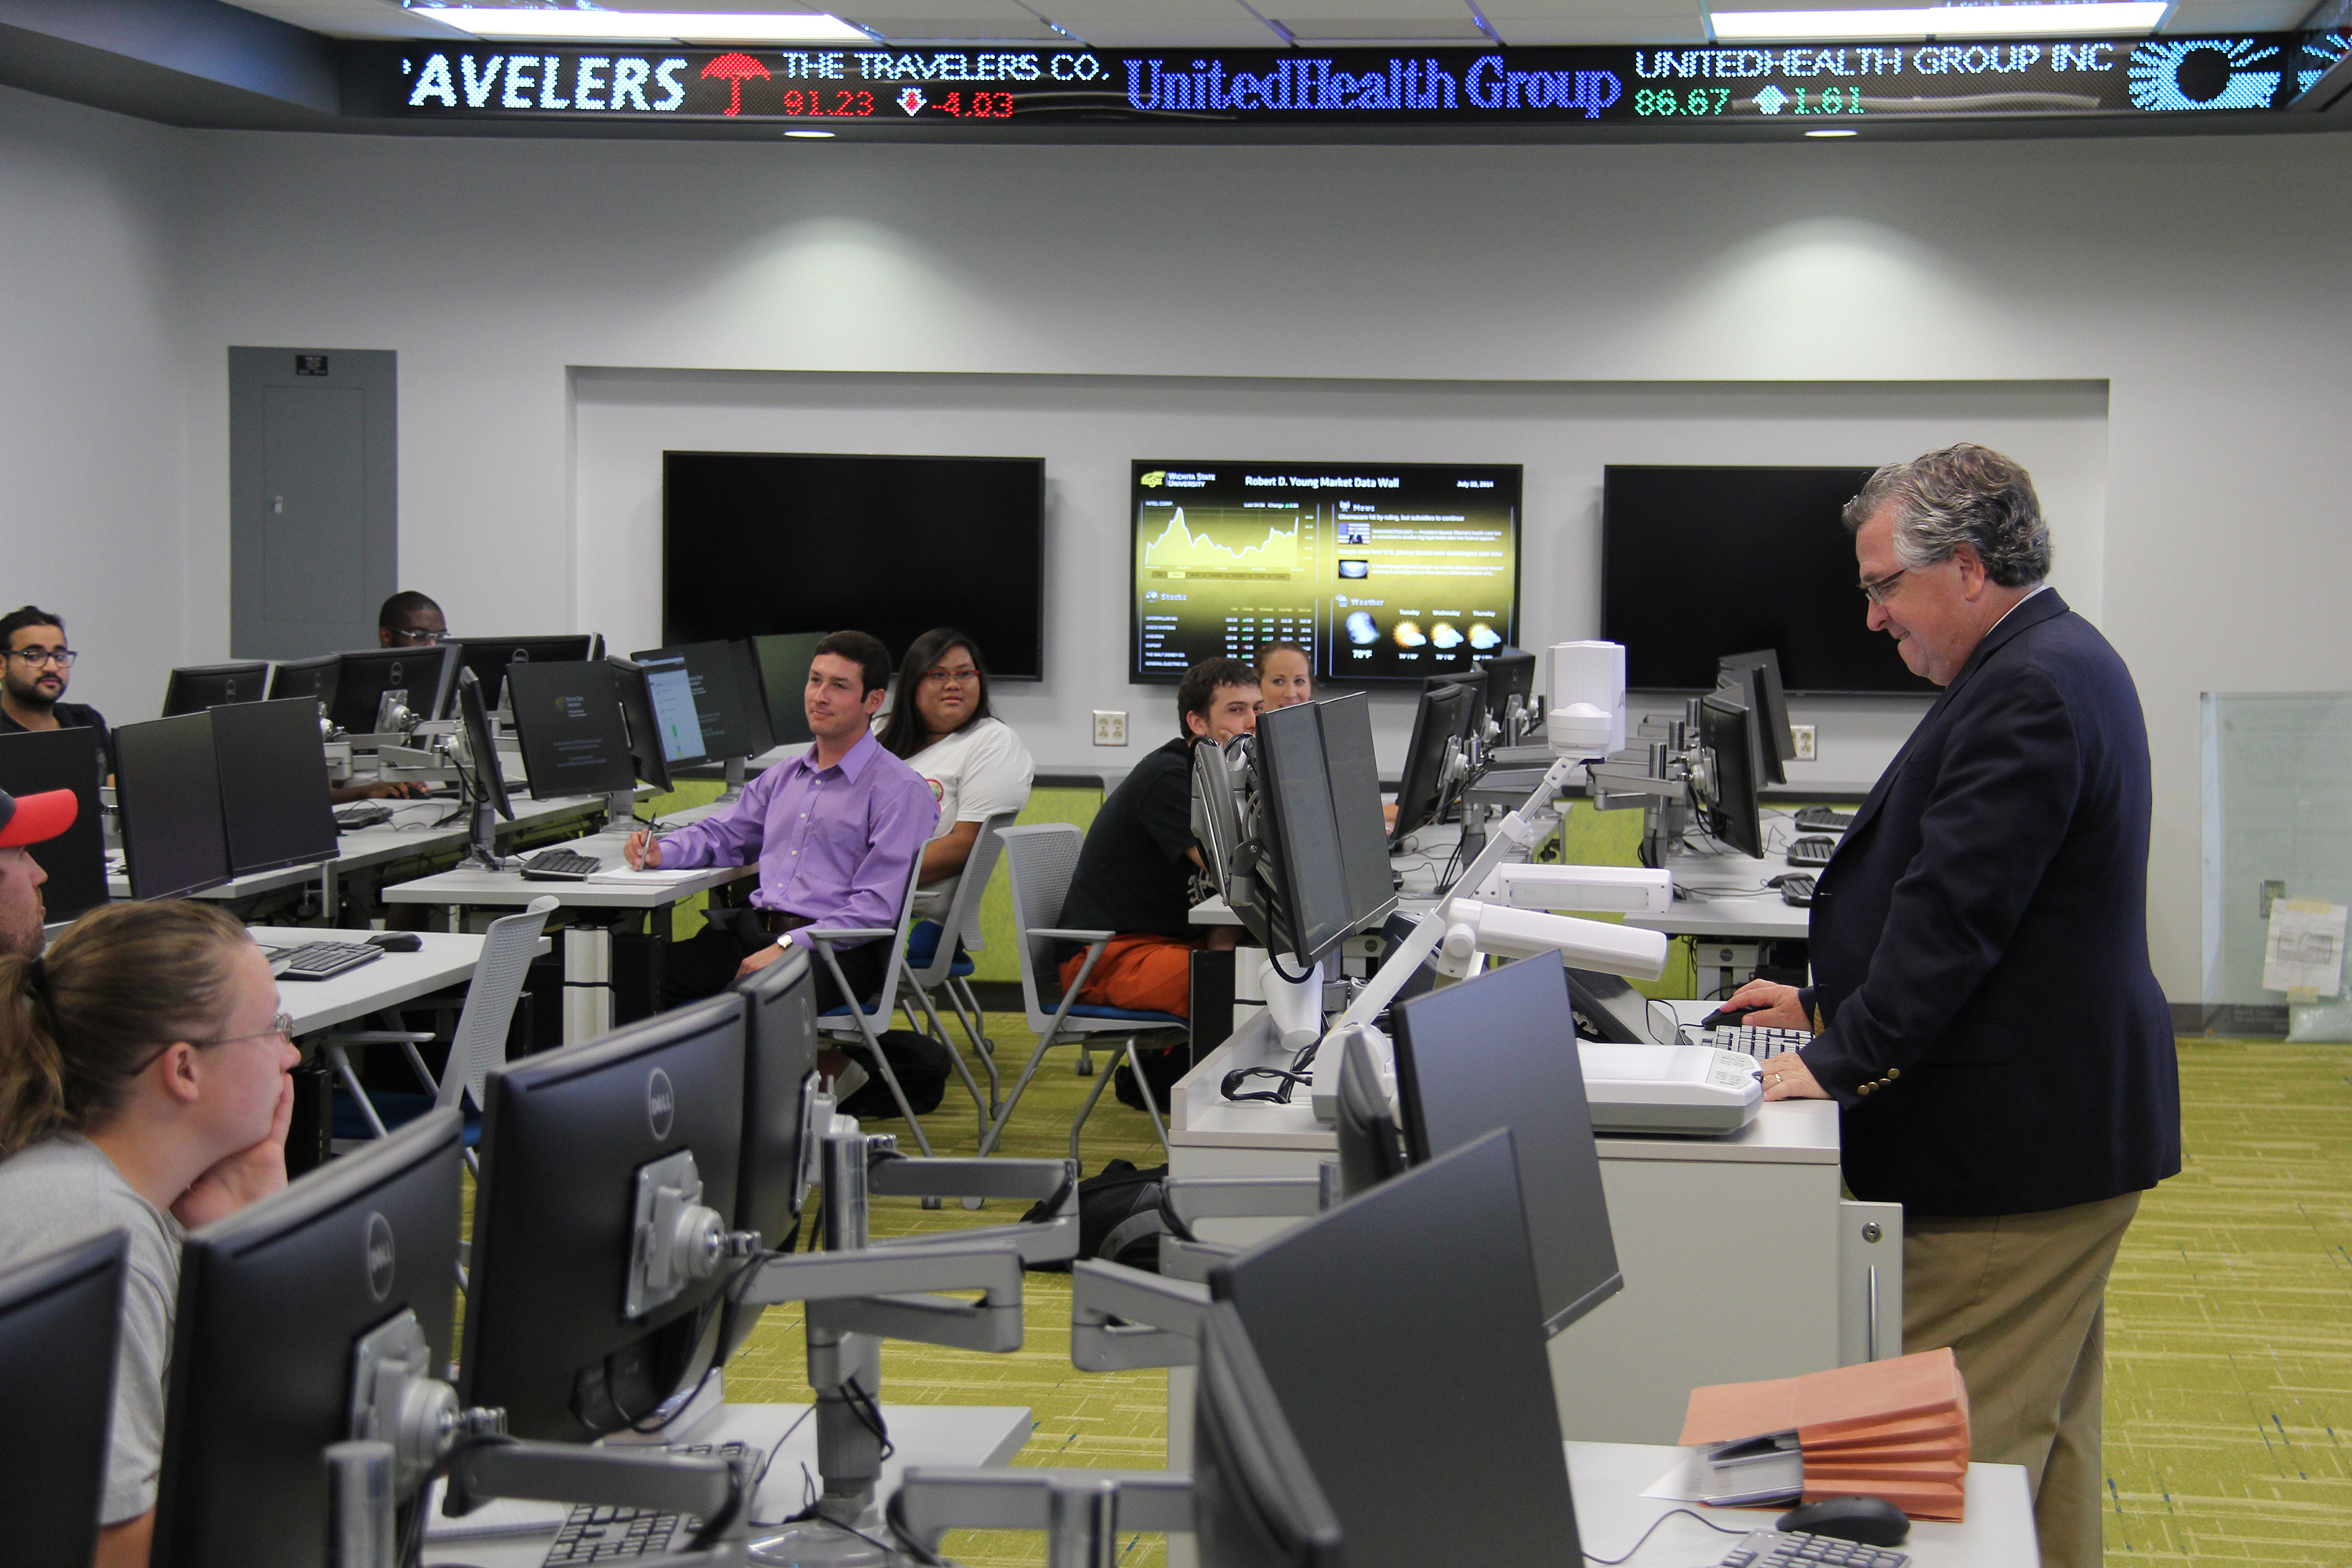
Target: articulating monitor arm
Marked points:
1122	1318
1081	1512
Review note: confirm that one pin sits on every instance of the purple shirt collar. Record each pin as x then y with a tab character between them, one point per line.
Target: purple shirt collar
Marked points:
853	761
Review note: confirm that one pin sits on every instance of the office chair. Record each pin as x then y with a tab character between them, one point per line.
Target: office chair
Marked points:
1041	858
932	965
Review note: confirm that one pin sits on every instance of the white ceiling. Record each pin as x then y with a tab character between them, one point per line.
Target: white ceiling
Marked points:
1241	24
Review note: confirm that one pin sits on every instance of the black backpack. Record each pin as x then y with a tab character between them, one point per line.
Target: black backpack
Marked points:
1119	1217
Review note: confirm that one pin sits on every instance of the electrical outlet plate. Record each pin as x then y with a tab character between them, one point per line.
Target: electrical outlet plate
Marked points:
1807	746
1110	727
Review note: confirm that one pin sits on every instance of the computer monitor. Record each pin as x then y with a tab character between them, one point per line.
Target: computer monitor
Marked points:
780	1079
60	1316
488	657
1409	1313
487	780
784	660
722	709
1774	704
423	674
167	794
565	1136
1255	1500
751	685
1725	728
1437	728
1320	817
645	753
310	678
1371	1145
1500	1051
42	760
273	786
568	716
274	1301
1510	673
193	688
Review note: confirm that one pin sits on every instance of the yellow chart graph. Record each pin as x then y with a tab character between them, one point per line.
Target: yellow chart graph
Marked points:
1242	544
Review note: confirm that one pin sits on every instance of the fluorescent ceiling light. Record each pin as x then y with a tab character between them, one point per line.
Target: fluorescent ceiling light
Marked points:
2090	19
812	135
650	27
1829	134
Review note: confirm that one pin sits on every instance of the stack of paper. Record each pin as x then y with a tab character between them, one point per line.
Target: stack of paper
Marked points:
1896	1430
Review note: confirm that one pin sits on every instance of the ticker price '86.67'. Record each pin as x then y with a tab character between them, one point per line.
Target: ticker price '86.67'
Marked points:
1696	101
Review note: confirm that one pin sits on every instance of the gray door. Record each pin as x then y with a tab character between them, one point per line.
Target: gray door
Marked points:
313	503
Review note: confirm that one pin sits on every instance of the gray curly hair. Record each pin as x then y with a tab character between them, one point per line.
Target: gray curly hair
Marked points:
1966	495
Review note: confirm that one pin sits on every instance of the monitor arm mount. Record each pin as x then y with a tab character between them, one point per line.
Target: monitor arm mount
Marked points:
1082	1512
1667	783
735	774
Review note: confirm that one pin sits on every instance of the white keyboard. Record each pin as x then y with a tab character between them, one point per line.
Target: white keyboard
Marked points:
1760	1044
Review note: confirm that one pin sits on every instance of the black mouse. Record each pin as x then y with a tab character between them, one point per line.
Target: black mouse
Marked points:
1872	1520
1723	1016
397	940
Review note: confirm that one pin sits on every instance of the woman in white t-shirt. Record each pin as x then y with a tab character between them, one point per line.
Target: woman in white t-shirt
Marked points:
977	767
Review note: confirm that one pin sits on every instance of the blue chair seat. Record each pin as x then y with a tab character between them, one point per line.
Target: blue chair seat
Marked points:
1097	1010
923	945
398	1108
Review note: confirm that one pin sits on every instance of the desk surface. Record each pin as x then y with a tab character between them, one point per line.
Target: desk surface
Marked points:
1734	901
1608	1480
442	961
475	887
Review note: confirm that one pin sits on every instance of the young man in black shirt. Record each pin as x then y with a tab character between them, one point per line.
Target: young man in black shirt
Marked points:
39	668
1134	876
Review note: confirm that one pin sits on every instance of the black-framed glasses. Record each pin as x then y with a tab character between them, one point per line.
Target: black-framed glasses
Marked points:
1877	592
62	657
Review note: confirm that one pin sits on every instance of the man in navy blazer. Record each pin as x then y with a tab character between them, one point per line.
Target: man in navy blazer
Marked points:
1984	1010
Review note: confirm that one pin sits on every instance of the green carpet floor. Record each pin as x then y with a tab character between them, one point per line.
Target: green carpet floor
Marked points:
2228	1424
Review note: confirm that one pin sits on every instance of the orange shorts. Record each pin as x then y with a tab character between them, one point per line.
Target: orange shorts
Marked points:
1141	974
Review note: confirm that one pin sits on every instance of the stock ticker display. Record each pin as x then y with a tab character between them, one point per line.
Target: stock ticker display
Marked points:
985	88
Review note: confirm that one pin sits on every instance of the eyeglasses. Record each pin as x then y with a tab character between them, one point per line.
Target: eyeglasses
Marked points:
412	635
967	676
62	657
281	1028
1878	592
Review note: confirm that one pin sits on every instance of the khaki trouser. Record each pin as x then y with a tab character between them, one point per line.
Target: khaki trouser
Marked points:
2021	1301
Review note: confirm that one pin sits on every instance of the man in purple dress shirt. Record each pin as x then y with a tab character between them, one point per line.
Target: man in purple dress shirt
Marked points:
836	832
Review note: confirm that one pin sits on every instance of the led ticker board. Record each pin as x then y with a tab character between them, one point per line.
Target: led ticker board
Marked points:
1381	571
1653	89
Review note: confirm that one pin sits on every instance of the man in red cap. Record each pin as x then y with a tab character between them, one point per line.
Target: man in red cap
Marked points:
28	820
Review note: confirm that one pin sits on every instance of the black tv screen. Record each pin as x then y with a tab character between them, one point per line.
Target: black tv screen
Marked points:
755	543
1700	562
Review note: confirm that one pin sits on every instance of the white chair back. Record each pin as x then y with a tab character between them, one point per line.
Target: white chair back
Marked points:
479	1043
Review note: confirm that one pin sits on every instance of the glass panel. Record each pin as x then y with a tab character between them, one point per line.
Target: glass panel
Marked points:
2278	824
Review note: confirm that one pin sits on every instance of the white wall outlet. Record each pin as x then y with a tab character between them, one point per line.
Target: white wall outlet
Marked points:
1808	748
1110	727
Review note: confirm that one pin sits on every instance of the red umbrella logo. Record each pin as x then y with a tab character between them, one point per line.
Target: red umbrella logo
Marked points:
734	68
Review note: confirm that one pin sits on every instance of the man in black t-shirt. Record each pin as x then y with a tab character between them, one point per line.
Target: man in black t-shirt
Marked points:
1134	876
39	668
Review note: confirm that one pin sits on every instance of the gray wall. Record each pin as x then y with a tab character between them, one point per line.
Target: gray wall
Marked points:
2198	282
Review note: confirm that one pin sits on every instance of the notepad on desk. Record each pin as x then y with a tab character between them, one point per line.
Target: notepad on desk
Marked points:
1896	1430
653	878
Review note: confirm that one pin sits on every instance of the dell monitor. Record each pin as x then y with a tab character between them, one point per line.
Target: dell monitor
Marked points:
1255	1500
485	783
167	794
780	1080
1412	1310
646	755
276	1302
566	1135
1371	1145
1782	740
60	1316
273	786
784	659
194	687
1437	728
1726	730
725	726
568	716
1500	1051
310	678
422	677
42	760
488	657
1320	820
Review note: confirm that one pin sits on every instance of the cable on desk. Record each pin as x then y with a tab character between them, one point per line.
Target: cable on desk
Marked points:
1719	1530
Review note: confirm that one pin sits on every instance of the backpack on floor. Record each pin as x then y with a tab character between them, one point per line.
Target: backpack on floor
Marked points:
922	1066
1119	1217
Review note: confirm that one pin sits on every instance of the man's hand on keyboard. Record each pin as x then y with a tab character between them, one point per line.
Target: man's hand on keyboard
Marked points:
1779	1006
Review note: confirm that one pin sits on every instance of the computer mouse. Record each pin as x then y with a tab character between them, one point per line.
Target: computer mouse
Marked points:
1723	1016
397	940
1872	1520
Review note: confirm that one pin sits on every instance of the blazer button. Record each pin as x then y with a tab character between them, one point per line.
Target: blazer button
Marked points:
1865	1088
1894	1073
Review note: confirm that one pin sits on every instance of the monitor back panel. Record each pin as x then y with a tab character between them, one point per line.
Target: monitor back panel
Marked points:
273	782
167	786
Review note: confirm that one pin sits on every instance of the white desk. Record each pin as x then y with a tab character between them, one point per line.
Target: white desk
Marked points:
1733	913
1608	1480
442	961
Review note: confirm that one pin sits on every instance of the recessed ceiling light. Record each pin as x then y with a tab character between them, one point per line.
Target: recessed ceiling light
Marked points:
812	135
2068	18
650	27
1830	133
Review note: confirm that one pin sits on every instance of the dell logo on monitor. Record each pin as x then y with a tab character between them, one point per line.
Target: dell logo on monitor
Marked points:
379	1257
661	1104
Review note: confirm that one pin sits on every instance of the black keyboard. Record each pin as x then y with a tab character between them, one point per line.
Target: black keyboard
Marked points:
603	1535
1811	851
1797	890
365	814
1790	1548
561	865
1821	819
322	960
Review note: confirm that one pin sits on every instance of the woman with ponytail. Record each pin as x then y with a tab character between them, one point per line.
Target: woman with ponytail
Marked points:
143	1088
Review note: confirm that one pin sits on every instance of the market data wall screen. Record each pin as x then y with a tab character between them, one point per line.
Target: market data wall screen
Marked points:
759	543
1382	571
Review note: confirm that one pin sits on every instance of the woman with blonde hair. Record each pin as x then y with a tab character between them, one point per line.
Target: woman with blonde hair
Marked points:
143	1088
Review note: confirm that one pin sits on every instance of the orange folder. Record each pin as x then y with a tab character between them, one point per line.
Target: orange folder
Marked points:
1896	1429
